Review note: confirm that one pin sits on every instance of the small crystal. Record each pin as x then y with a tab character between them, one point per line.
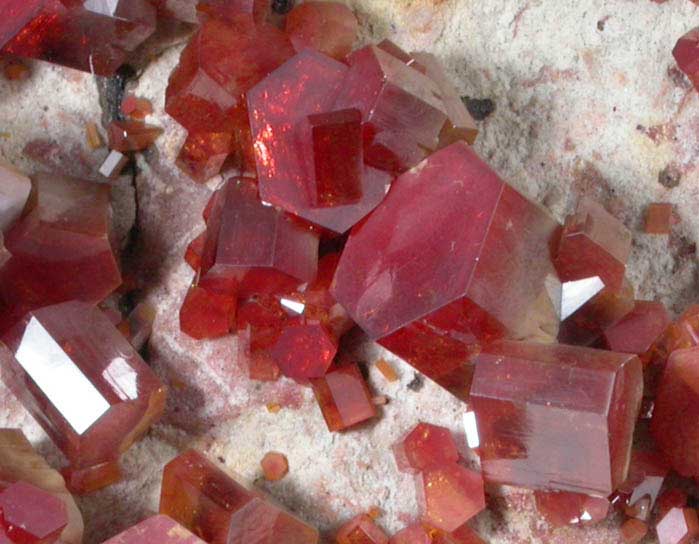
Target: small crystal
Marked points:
658	218
136	108
194	251
414	534
647	473
83	382
678	526
561	508
686	55
127	136
206	314
449	495
423	447
30	515
462	535
203	153
274	466
633	531
329	27
113	165
160	529
93	137
387	370
15	188
638	330
530	411
361	530
343	397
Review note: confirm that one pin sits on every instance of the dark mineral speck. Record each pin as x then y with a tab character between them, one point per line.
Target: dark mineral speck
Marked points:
417	382
479	108
282	6
669	177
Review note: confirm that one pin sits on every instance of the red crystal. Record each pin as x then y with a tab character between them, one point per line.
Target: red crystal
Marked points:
414	534
658	218
448	260
206	314
647	473
274	466
329	27
343	397
672	498
160	529
423	447
16	15
71	351
639	329
462	535
449	495
136	108
633	531
279	108
686	53
561	508
593	244
203	154
304	350
217	508
194	251
131	135
247	242
678	526
107	32
230	10
676	404
361	530
529	413
221	62
61	250
30	515
83	481
14	193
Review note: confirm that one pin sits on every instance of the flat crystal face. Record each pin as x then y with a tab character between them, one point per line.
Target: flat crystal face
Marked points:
160	529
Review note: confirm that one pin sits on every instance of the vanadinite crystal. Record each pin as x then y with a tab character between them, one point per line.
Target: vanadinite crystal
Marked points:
14	192
658	218
329	27
686	53
83	382
61	249
633	531
676	405
415	534
425	446
561	508
91	36
343	397
678	526
274	466
131	135
299	168
222	61
451	258
639	492
216	507
203	154
639	329
361	530
20	463
530	412
230	10
157	529
29	515
449	495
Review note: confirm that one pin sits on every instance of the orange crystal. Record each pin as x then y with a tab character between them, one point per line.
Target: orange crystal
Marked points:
361	530
274	466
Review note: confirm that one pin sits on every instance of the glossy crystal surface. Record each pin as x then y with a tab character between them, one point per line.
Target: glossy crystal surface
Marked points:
82	381
361	530
414	534
678	526
203	153
261	522
638	330
686	53
530	407
426	445
160	529
127	136
329	27
207	314
30	515
561	508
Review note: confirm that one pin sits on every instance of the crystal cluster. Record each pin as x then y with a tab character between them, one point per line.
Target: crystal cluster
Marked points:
220	510
92	36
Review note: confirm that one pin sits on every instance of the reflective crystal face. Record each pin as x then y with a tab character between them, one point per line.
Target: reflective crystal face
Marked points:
561	508
529	405
361	530
29	514
328	27
160	529
14	192
82	381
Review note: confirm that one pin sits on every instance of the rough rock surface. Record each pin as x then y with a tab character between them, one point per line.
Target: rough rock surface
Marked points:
588	101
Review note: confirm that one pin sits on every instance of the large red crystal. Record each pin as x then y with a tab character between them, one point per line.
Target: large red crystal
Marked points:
639	492
361	530
285	154
561	508
91	36
160	529
221	62
82	381
29	515
451	258
425	446
676	405
206	314
538	429
639	329
686	53
343	397
449	495
329	27
217	508
246	238
61	250
14	192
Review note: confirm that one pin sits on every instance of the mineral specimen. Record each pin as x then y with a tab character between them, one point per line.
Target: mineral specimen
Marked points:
633	531
47	30
685	53
529	410
423	447
207	314
678	526
218	509
658	218
127	136
203	153
561	508
414	534
160	529
83	382
449	259
639	492
29	514
343	397
361	530
329	27
638	330
274	466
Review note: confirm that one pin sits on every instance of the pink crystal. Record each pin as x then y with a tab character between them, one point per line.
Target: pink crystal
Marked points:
160	529
71	351
30	515
529	412
361	530
425	446
274	466
638	330
449	495
329	27
678	526
561	508
261	522
647	473
414	534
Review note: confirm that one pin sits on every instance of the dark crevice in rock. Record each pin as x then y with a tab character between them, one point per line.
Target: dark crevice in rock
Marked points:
479	108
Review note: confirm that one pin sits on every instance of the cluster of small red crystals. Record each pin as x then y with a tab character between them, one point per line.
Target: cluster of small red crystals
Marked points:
49	29
220	510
